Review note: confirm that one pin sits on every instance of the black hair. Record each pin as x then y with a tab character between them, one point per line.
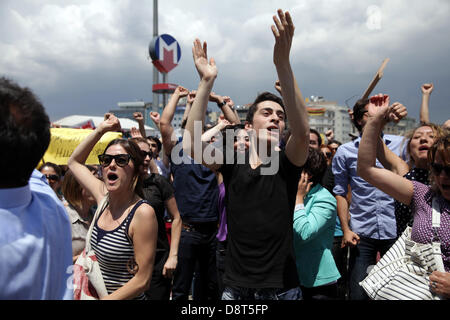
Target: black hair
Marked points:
315	165
235	127
265	96
358	112
54	166
334	141
24	133
319	138
155	139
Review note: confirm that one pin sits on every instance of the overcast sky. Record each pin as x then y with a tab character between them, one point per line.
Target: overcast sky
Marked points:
83	57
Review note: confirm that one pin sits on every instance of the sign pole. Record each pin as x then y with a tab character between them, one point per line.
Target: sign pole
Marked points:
165	80
155	103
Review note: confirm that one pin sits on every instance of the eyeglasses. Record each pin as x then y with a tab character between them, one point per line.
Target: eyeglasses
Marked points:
328	154
120	159
154	145
52	177
145	154
437	168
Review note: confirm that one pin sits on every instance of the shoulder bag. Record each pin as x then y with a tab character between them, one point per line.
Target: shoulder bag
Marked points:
87	276
403	271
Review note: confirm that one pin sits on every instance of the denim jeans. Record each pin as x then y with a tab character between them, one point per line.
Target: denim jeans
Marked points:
361	257
196	248
220	262
239	293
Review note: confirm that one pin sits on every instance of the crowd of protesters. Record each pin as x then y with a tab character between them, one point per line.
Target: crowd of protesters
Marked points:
238	211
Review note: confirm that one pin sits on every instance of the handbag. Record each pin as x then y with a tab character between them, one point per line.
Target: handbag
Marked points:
87	276
403	271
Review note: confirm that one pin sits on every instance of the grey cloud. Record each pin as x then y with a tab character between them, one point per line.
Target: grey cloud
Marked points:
334	53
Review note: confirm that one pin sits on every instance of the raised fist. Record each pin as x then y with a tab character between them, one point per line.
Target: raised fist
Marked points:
427	88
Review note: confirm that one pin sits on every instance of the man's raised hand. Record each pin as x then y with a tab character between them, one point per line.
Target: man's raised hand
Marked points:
138	116
427	88
283	31
397	112
135	133
379	106
191	96
182	91
278	86
213	97
207	70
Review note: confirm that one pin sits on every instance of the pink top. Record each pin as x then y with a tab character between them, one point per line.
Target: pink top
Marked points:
422	230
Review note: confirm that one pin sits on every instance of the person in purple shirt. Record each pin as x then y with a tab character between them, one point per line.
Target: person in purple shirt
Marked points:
35	231
368	223
413	193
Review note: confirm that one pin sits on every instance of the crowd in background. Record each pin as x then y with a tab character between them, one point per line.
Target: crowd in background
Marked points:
172	225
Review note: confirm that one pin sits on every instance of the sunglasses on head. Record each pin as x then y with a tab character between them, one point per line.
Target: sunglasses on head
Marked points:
52	177
120	159
437	169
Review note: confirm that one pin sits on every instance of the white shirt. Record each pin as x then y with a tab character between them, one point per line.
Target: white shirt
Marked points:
35	243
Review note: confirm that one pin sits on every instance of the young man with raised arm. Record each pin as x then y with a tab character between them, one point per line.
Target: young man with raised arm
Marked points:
260	193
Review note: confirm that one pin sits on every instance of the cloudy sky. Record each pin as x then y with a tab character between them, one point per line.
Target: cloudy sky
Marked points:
83	57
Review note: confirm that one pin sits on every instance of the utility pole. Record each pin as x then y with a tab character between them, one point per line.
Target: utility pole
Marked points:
155	104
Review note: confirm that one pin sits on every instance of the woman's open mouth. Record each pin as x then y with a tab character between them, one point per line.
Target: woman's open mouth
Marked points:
112	177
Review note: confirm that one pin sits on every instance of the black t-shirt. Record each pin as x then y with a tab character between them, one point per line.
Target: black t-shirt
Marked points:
157	190
260	211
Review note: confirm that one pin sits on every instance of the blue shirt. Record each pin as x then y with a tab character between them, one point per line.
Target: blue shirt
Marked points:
196	189
371	210
35	243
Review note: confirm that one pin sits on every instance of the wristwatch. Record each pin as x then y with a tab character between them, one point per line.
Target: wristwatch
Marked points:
221	104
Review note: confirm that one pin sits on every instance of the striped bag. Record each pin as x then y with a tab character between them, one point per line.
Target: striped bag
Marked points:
403	272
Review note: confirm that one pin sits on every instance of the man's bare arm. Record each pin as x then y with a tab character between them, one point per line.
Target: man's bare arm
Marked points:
297	145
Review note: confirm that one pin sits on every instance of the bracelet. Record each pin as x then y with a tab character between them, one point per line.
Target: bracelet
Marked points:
221	104
299	206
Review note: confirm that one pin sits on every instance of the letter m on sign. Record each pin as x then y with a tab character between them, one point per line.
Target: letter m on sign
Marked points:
165	53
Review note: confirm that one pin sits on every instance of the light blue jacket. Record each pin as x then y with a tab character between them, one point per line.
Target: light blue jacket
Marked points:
313	238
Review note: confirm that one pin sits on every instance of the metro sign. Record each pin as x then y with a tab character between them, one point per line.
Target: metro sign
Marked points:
165	53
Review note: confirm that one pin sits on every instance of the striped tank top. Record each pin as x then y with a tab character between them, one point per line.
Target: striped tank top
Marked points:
115	253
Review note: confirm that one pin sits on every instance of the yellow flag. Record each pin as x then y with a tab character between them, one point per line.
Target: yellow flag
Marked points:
64	141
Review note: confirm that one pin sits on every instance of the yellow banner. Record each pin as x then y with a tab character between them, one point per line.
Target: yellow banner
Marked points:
64	141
